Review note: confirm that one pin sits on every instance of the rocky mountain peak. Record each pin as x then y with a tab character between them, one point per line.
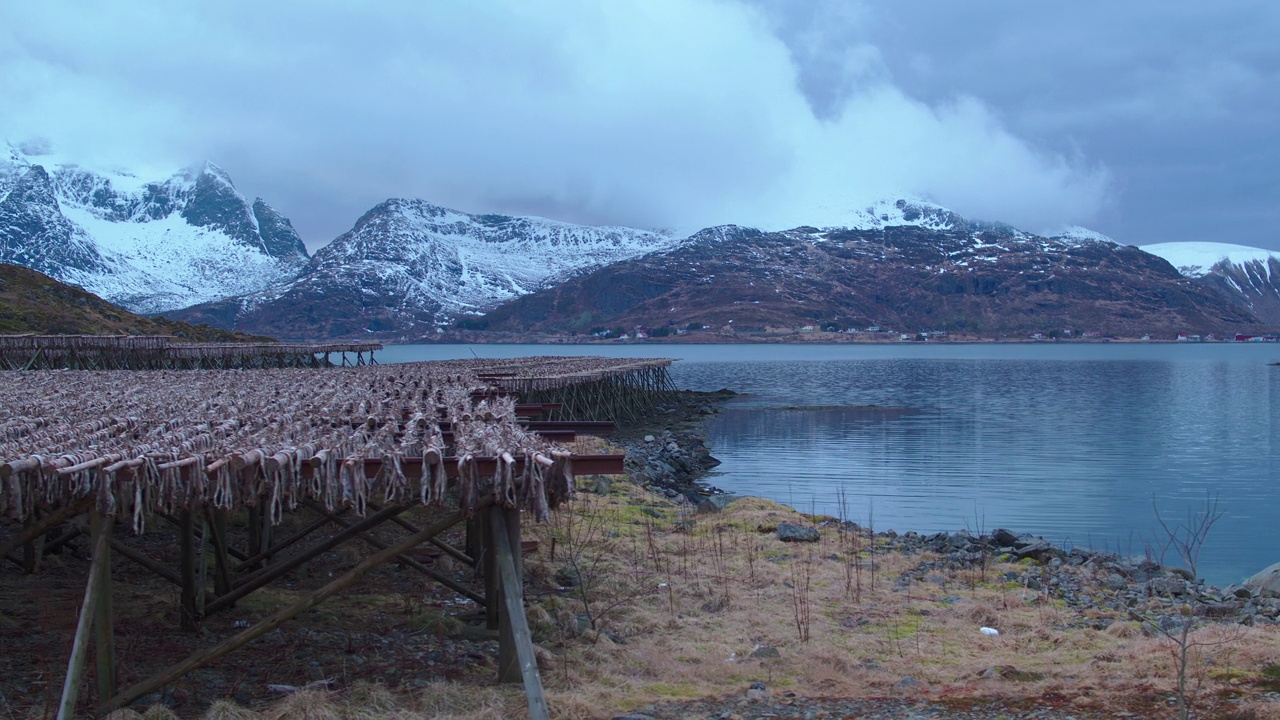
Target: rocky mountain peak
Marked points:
278	236
34	187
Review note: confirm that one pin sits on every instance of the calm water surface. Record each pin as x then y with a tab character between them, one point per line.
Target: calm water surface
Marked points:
1072	442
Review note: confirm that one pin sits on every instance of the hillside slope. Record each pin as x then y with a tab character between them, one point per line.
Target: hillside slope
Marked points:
975	278
31	302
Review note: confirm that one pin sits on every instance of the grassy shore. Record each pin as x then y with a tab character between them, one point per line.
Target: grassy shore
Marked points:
634	599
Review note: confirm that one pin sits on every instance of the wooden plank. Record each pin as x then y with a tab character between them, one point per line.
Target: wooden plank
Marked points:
80	645
204	657
513	606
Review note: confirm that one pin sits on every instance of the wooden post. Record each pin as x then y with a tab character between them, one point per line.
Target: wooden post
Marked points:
255	537
216	522
187	562
202	563
474	540
516	643
493	604
204	657
104	638
80	646
33	550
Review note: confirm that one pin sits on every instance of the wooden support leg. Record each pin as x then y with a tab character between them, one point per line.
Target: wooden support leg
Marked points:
104	638
473	537
204	657
187	542
255	535
489	567
80	645
516	661
216	521
33	551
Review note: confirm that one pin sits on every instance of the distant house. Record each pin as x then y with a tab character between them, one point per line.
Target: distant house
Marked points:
1092	334
808	328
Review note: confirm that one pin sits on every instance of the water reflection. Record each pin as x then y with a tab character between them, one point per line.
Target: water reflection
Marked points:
1076	450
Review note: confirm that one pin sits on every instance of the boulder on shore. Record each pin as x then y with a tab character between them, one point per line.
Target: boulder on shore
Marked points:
1267	581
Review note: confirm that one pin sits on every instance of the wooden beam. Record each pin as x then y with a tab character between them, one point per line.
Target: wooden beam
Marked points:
266	575
163	571
104	635
280	546
281	616
187	566
514	617
44	524
453	551
80	645
406	561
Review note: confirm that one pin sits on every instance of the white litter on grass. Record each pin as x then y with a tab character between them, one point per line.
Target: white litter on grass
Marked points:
989	631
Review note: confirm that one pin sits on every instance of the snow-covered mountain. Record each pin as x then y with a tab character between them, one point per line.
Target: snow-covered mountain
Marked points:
150	246
1248	276
408	267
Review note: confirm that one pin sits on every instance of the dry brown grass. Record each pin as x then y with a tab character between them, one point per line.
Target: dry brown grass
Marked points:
691	603
679	602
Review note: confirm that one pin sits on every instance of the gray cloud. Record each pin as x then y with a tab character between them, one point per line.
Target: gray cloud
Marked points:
661	113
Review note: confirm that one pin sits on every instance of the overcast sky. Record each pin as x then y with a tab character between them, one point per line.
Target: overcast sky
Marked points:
1148	121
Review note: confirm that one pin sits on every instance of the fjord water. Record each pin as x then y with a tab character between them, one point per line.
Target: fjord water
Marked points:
1074	442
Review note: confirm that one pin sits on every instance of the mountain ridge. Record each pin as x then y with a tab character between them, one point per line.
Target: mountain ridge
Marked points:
149	245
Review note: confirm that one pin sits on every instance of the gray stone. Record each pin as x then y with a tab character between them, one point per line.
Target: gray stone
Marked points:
601	485
1266	582
907	683
715	503
1004	538
764	652
789	532
1167	586
1037	550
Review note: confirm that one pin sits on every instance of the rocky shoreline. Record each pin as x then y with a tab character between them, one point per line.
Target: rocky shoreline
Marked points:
673	461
